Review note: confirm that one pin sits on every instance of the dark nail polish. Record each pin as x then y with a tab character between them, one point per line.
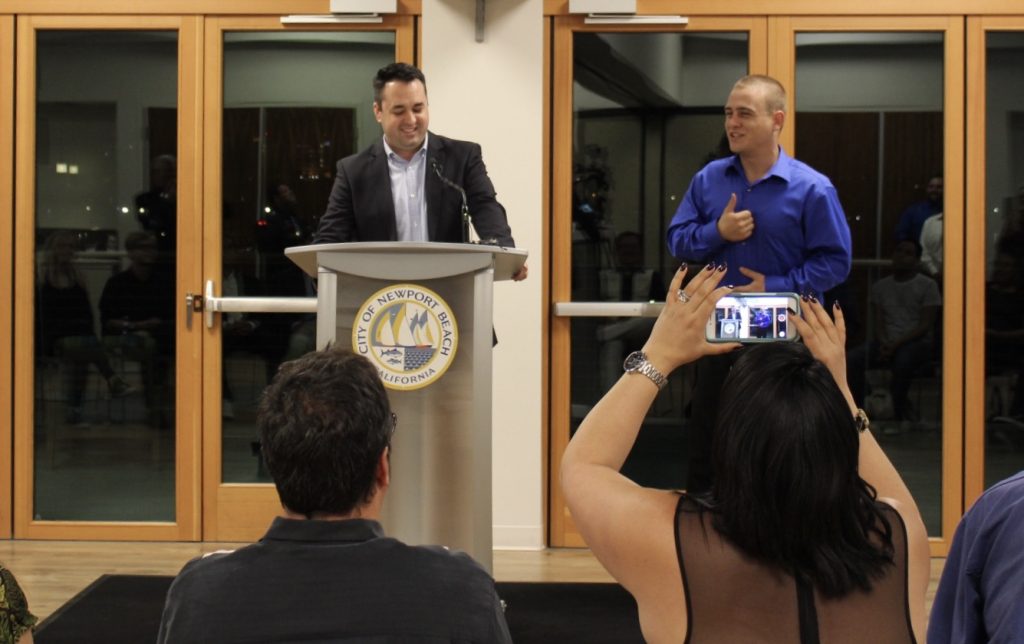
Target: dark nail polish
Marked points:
814	299
722	267
836	306
805	298
710	266
683	266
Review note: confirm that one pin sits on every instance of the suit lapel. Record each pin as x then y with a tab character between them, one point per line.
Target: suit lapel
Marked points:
384	201
435	154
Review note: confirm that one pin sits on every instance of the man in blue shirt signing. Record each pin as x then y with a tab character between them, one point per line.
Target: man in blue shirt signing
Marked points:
775	222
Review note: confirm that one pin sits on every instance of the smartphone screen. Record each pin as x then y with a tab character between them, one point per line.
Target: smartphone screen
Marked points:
753	317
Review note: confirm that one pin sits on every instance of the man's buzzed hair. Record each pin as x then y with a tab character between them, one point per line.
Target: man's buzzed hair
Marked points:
775	93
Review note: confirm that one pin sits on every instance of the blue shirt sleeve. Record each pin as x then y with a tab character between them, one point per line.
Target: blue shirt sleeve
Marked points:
693	232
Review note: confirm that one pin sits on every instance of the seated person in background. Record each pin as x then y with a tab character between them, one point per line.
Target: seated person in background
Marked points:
981	594
808	533
913	218
906	305
137	317
325	571
931	246
65	325
16	622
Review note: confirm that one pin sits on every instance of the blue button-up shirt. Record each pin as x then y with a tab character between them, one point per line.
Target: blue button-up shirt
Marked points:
408	180
801	241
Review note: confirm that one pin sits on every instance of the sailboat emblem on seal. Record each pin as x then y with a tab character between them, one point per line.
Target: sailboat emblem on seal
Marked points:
409	332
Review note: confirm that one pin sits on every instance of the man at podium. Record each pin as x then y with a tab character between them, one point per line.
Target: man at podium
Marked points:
412	185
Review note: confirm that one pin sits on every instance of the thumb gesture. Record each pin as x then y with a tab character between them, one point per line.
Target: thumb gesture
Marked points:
735	225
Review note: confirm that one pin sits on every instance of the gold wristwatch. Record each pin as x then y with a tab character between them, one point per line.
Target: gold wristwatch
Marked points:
637	362
861	419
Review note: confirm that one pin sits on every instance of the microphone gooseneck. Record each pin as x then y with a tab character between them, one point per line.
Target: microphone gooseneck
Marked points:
462	193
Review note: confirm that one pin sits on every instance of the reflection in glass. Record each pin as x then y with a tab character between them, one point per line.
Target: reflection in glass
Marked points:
105	249
869	115
647	115
1004	289
294	104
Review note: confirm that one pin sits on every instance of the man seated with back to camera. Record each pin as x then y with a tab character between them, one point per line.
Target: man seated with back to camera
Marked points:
807	534
325	571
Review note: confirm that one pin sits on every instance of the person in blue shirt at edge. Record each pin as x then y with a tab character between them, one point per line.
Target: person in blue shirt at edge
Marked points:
912	219
981	594
774	222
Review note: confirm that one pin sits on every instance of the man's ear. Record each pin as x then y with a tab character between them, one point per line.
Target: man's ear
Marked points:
383	475
377	114
778	120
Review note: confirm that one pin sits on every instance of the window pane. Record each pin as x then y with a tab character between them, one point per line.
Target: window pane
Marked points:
869	115
294	104
106	136
647	115
1004	292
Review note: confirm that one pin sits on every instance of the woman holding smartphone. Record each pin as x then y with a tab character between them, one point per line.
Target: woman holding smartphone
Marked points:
808	532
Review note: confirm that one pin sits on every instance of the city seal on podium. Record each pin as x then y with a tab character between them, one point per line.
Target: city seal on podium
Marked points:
409	333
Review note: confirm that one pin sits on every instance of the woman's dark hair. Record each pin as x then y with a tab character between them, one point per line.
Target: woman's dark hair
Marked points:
787	491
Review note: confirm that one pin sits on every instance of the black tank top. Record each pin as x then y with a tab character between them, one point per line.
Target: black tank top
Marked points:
731	598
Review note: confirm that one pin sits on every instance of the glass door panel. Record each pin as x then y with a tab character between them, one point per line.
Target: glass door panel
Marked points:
289	103
642	115
876	110
1004	256
99	228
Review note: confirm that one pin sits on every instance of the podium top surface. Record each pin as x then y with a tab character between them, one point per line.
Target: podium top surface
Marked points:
507	261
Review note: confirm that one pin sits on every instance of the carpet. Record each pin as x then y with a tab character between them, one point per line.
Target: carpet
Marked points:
126	609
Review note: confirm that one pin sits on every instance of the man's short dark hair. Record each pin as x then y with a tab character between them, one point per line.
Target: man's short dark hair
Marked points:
402	72
324	422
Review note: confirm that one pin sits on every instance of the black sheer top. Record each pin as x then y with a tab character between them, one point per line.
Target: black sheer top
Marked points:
731	598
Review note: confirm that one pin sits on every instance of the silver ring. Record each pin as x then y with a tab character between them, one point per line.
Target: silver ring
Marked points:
682	296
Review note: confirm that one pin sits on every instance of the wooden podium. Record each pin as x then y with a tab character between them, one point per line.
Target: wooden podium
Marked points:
421	311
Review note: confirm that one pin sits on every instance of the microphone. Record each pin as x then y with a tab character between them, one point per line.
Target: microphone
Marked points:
465	204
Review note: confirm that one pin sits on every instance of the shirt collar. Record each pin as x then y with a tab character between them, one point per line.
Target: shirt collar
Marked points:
391	154
345	530
781	168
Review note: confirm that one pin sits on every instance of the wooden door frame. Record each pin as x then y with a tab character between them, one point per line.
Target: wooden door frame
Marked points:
188	345
242	511
561	529
7	272
783	36
975	245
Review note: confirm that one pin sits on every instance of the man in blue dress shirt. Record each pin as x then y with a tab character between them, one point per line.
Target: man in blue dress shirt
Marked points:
775	222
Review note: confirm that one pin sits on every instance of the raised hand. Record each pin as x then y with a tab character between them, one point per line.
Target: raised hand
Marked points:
678	336
735	225
826	339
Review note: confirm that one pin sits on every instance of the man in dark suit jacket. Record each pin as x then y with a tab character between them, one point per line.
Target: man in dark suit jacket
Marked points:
406	186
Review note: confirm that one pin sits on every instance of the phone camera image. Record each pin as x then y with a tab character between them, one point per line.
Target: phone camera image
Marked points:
752	317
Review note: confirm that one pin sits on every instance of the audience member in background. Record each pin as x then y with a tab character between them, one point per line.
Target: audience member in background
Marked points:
808	533
905	306
325	571
16	622
981	593
66	327
913	218
137	317
157	208
931	246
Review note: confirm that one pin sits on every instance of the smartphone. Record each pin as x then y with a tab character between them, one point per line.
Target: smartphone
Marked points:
753	317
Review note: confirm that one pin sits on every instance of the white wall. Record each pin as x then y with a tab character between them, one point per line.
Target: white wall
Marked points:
492	93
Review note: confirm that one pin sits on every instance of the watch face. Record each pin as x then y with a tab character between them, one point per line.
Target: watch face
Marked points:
634	360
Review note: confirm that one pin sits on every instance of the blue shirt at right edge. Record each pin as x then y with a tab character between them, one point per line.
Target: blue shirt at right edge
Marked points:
801	241
981	593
